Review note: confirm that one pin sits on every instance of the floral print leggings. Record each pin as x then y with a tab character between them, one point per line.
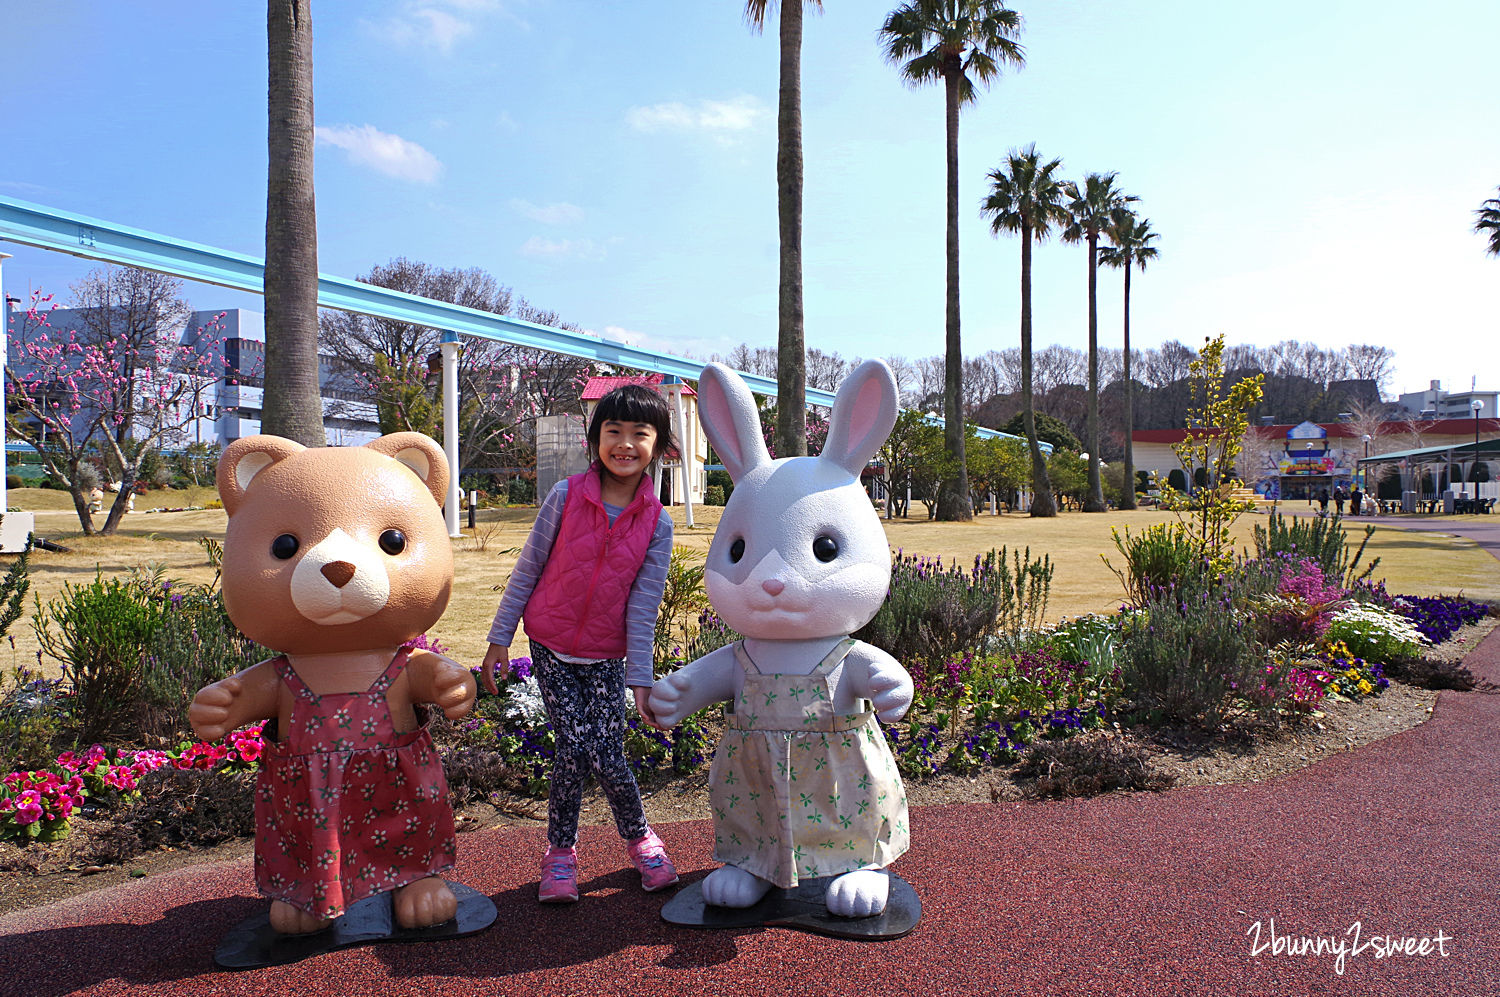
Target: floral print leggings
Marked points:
586	704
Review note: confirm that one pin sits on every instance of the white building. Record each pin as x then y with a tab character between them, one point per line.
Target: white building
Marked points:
1435	403
231	407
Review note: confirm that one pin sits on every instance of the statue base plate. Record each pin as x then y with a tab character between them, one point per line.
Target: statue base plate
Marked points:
800	908
252	944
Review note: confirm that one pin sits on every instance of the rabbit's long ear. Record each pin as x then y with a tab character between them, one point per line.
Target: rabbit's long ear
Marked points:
864	412
730	420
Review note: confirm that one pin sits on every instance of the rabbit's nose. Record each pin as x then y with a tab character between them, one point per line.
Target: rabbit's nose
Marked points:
773	586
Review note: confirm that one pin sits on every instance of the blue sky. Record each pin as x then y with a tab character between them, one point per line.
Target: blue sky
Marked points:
1312	168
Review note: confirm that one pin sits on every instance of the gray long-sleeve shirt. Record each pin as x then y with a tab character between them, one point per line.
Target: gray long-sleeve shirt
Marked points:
641	606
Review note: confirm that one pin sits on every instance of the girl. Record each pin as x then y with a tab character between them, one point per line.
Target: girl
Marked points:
588	585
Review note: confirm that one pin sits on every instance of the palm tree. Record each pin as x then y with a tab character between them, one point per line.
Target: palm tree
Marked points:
1489	224
1091	209
1132	238
293	405
791	363
1026	197
961	43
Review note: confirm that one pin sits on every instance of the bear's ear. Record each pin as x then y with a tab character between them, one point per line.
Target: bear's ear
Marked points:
243	459
420	453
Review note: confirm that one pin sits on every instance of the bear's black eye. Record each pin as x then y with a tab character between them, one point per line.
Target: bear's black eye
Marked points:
825	548
284	547
393	541
737	551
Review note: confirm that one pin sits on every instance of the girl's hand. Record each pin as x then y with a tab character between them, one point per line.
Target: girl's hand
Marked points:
643	706
496	662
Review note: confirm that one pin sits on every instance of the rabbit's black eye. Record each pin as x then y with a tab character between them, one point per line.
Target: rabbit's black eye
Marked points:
393	541
737	551
825	548
284	547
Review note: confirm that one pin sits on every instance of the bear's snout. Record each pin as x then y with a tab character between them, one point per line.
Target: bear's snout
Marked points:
338	572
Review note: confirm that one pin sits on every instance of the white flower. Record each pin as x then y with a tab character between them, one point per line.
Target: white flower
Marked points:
523	704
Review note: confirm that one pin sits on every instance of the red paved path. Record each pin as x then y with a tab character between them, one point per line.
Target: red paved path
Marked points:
1137	894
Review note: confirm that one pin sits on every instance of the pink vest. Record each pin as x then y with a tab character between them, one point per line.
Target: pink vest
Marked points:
578	605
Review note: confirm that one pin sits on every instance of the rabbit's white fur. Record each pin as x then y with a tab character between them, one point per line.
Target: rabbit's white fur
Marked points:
791	607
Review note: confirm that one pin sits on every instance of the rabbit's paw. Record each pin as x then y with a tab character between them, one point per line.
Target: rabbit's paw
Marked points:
667	699
890	690
728	886
858	894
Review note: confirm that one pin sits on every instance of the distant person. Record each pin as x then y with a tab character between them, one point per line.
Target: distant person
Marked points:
1338	500
1322	501
1356	499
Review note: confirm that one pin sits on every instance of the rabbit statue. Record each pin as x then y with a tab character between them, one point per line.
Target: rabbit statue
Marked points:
803	784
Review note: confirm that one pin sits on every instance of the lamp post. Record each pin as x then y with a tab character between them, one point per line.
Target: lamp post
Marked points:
1476	405
1364	468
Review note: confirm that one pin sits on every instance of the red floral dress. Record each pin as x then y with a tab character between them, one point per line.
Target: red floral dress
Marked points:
344	806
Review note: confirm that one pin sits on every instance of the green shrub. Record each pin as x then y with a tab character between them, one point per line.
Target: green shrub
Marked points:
682	599
935	612
711	634
714	495
1320	538
13	481
520	491
98	632
720	478
1188	654
1160	556
195	644
1092	639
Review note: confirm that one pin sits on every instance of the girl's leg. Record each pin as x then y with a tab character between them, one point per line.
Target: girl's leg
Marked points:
565	701
602	691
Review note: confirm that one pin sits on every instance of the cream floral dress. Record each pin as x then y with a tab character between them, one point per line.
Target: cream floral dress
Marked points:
799	791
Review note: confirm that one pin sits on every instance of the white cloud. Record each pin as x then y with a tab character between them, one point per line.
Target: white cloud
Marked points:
578	249
681	346
505	122
434	24
392	155
723	119
561	213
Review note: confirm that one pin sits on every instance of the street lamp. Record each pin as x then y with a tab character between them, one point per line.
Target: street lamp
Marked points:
1476	405
1364	468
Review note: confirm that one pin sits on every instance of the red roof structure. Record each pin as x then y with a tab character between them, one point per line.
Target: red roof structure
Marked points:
1393	427
598	387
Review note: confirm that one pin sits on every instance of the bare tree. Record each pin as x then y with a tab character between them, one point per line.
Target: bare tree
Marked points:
825	372
1371	363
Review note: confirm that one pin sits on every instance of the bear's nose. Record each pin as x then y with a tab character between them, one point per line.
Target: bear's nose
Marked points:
773	586
338	572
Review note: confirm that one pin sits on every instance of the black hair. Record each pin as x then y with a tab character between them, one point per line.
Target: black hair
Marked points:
633	403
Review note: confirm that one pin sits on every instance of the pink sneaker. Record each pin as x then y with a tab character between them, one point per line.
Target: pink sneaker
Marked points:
649	855
559	876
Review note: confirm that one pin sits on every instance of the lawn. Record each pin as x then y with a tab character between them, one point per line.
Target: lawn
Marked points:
1411	562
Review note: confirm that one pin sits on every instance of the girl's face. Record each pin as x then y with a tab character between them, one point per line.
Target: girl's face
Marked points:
626	448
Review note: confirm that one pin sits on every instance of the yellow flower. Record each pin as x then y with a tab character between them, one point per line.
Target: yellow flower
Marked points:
1333	687
1350	673
1365	687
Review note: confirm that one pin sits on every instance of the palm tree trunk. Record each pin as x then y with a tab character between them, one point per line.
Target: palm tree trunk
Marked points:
953	495
1042	503
293	404
791	358
1095	500
1127	497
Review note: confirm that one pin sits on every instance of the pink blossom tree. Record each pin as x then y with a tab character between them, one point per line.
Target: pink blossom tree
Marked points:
80	398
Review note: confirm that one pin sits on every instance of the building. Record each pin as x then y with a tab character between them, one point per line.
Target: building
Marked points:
231	407
1297	461
1435	403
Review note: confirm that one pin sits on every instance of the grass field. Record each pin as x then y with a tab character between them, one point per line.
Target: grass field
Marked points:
1411	562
